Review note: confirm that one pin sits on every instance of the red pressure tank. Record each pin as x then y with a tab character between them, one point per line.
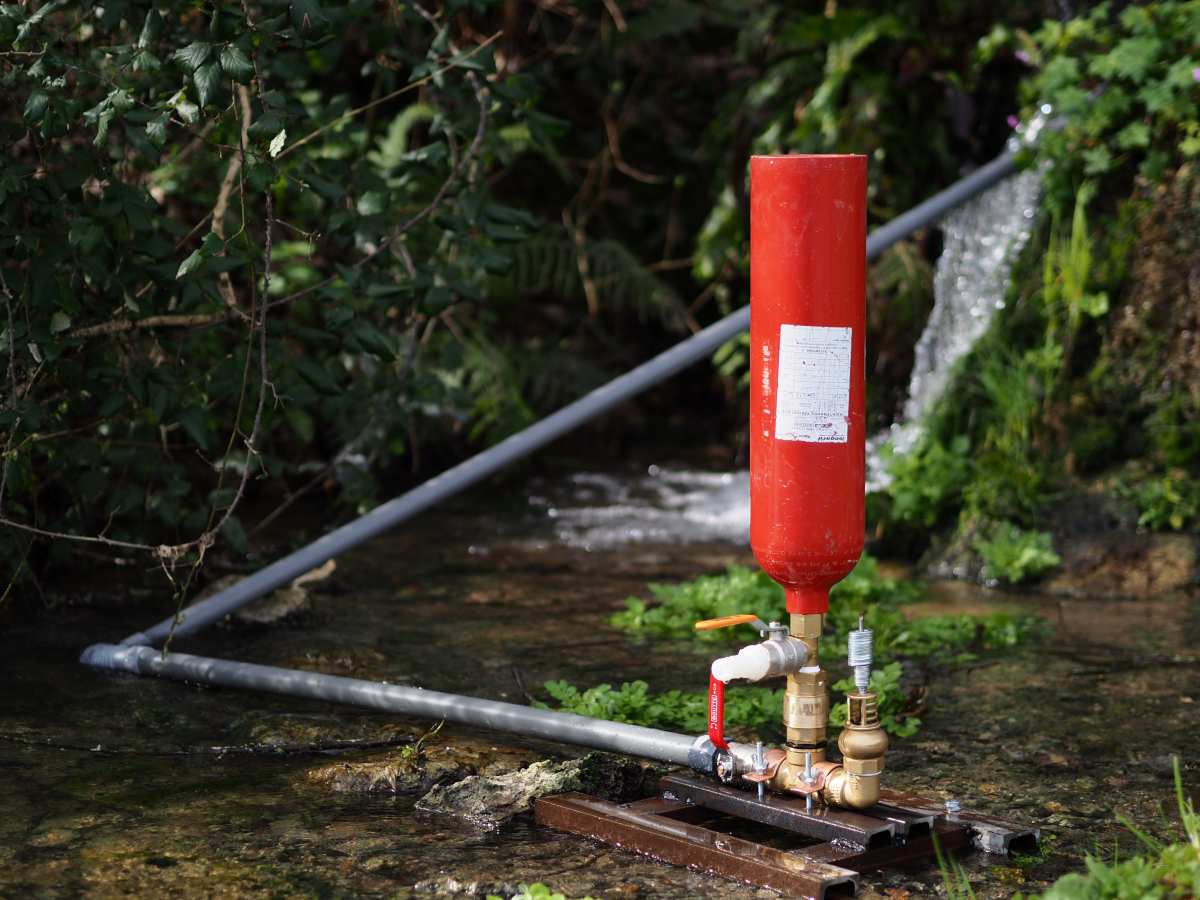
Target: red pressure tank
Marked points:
808	226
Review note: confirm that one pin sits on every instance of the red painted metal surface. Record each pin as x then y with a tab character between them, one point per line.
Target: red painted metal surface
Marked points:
808	229
716	712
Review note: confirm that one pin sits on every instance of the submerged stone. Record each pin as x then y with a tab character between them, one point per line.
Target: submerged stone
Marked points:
489	801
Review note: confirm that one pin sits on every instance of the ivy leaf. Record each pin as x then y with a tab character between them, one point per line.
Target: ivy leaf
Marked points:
194	54
236	64
208	79
277	143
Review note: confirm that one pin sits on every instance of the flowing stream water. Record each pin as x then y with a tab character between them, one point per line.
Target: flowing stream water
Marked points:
115	785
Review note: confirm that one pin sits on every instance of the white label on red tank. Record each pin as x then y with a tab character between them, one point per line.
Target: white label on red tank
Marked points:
812	400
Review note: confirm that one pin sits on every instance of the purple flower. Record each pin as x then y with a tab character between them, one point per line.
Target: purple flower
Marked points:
1196	74
1023	57
1013	121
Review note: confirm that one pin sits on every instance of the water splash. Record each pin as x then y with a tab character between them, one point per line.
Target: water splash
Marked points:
983	239
594	511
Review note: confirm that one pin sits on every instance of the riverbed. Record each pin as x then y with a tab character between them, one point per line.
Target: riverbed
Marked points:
118	785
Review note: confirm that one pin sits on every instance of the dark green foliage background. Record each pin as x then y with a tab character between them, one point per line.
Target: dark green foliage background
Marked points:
447	220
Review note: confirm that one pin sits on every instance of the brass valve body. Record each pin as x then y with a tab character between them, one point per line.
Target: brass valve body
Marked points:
863	743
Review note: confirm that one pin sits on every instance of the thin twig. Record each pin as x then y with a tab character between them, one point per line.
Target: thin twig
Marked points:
180	320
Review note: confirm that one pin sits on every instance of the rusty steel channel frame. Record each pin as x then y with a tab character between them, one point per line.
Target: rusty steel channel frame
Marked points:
823	850
651	831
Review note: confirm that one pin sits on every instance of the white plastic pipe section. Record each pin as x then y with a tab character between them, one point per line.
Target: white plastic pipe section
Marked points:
768	659
565	728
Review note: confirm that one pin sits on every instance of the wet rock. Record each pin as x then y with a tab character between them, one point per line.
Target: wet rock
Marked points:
290	732
284	606
490	801
405	772
420	765
1125	565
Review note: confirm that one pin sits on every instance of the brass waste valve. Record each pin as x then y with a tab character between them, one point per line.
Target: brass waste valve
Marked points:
802	769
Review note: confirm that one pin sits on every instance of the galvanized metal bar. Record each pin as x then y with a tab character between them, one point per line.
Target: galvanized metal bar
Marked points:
990	834
823	823
478	467
694	846
565	728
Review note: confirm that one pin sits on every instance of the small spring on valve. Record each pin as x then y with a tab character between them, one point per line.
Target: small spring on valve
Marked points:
859	656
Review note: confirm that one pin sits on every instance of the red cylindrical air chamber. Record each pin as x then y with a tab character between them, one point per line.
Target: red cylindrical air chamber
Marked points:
808	227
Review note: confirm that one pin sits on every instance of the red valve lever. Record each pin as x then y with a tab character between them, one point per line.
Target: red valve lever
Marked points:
716	712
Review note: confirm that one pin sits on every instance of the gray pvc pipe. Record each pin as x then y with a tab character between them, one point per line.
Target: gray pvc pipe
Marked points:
522	444
566	728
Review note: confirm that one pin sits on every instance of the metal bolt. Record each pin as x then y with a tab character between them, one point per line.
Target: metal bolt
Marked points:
808	779
760	766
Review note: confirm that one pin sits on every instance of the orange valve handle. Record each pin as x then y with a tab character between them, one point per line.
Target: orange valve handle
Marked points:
728	622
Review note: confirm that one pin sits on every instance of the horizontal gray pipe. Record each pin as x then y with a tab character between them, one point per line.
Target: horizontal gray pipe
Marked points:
452	481
564	728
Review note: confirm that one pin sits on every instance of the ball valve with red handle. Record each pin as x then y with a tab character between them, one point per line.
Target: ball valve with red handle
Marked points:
779	654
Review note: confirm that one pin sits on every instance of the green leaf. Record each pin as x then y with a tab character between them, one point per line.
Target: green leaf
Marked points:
236	64
194	54
59	323
150	29
194	421
208	80
266	125
35	106
301	423
277	143
307	14
192	263
1133	135
233	530
145	61
156	129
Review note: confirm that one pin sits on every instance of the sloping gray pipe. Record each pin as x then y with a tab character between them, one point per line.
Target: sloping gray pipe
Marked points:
565	728
478	467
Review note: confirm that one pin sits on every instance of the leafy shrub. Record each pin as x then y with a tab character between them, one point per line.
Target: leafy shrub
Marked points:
747	708
938	638
687	711
1168	501
1125	82
1014	555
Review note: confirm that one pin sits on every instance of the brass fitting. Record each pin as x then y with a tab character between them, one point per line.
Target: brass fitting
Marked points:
863	743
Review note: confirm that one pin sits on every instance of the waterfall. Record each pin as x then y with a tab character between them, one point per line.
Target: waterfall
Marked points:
983	238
